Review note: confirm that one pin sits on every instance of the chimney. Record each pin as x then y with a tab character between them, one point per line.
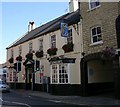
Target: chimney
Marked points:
73	5
31	26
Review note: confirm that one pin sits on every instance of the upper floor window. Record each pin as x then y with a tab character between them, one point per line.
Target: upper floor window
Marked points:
93	3
20	50
40	44
69	38
30	47
53	41
96	34
12	53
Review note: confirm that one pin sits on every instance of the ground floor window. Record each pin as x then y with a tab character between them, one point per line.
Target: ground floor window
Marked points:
59	73
54	74
63	73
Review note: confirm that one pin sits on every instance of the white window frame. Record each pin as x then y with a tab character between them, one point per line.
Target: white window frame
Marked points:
54	73
70	37
98	41
93	1
63	73
40	44
58	74
53	41
20	50
12	53
30	46
41	72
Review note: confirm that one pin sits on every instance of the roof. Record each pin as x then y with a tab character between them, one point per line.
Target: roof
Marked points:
51	26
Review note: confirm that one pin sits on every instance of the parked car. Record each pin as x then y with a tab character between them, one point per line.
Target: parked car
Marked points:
3	73
4	87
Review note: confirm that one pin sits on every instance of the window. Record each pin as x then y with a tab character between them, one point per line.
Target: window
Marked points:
63	75
12	53
54	74
41	73
69	38
59	73
53	41
30	47
20	50
96	34
93	3
41	45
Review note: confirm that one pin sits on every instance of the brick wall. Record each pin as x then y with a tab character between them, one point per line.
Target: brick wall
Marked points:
103	16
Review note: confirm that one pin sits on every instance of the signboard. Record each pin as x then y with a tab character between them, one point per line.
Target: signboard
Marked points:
64	28
69	60
66	60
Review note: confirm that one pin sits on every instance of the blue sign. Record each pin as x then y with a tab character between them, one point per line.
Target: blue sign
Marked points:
64	28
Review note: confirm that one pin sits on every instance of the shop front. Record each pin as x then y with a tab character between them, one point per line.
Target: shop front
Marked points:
62	75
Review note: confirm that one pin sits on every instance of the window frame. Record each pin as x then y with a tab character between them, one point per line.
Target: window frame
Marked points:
56	79
54	74
20	50
96	35
63	74
95	1
70	36
30	46
40	44
12	53
53	41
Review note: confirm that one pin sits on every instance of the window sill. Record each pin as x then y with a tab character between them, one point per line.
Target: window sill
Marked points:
96	43
91	9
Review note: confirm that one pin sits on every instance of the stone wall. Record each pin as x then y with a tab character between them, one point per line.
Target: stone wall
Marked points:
104	16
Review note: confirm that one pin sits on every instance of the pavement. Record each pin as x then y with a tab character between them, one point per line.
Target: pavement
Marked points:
107	100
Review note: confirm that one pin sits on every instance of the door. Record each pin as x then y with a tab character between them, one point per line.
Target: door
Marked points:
29	79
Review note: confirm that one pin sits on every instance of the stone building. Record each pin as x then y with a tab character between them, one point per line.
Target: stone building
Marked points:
81	63
100	45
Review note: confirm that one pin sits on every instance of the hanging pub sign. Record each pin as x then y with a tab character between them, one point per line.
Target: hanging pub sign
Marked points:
64	28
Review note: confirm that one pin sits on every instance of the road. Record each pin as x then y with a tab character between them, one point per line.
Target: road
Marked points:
15	99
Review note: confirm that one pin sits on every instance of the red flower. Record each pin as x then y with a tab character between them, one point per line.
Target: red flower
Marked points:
29	56
11	60
39	54
68	47
52	51
19	58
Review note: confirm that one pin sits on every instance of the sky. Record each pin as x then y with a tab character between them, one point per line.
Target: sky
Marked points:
15	17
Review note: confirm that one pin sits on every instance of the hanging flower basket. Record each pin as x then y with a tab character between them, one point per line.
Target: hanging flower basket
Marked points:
29	56
11	60
19	58
52	51
39	54
68	47
108	54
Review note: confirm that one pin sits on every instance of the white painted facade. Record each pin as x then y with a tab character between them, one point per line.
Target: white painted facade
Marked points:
74	69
